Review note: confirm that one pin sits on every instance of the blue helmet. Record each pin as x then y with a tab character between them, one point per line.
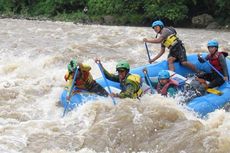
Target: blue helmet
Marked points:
213	43
158	23
163	74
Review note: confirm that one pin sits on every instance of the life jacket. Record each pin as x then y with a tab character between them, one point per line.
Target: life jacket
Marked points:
163	90
172	39
214	60
136	81
84	81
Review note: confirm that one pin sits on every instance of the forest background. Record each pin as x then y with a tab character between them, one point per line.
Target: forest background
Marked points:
120	12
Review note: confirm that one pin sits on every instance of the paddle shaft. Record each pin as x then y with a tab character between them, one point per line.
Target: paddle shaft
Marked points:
218	72
106	82
67	105
146	46
149	81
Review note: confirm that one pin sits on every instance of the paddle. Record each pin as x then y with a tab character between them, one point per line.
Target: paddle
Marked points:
68	101
146	46
106	82
214	91
148	80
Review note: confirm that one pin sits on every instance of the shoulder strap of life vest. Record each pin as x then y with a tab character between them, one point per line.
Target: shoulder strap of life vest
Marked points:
170	83
172	29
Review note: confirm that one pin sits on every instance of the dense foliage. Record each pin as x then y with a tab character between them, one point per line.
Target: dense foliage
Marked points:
132	12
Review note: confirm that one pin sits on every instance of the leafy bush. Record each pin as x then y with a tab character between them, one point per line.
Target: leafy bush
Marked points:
137	12
76	17
166	10
6	6
105	7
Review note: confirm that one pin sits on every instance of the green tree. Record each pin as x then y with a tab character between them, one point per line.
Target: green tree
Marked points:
105	7
166	9
223	11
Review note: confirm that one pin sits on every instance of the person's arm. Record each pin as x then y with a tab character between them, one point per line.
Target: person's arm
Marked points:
201	59
158	55
108	75
67	75
206	57
154	40
223	64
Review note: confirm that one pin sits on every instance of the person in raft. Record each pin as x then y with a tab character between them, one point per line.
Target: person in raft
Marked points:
130	83
164	85
168	38
217	62
84	79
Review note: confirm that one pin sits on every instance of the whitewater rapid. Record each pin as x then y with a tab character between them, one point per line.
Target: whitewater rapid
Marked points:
34	56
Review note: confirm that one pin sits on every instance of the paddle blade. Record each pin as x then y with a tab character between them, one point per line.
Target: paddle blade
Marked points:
214	91
66	109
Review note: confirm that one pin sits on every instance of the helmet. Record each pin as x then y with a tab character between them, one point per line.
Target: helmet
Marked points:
72	65
122	65
213	43
163	74
158	23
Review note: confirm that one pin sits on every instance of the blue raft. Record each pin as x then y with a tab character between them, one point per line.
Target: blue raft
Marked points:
202	105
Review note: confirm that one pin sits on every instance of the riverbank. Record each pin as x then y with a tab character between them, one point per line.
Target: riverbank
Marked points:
133	20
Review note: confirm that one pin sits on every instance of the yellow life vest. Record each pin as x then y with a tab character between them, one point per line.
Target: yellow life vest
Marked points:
170	41
137	80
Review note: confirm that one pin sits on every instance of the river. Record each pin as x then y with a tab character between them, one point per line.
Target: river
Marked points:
34	56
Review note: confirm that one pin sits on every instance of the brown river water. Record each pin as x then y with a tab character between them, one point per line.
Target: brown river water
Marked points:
33	60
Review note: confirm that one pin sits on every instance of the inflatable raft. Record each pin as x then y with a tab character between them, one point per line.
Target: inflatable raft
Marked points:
202	105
